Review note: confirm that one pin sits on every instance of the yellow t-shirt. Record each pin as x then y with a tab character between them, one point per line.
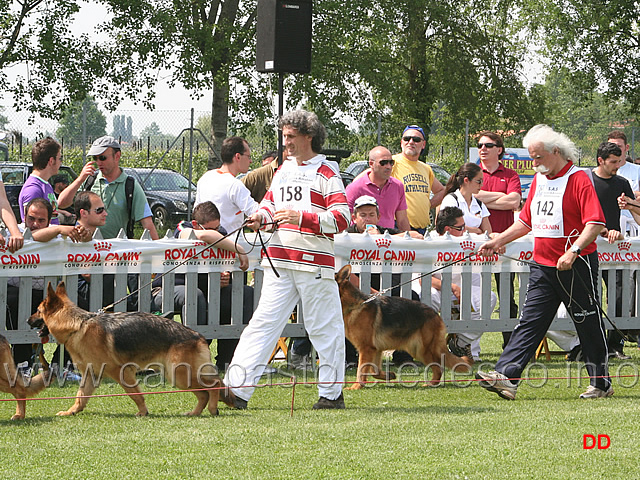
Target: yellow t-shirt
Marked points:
417	178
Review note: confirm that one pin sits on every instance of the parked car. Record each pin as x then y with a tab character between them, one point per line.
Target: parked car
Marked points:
356	168
167	192
14	174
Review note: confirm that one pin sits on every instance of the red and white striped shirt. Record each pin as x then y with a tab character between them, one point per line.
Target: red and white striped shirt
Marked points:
309	246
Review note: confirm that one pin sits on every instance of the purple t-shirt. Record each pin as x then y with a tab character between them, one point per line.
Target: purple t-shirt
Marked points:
35	187
390	197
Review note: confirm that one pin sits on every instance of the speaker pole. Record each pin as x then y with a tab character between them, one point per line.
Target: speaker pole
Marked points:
280	114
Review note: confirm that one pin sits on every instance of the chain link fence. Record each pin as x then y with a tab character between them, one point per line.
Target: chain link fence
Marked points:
162	151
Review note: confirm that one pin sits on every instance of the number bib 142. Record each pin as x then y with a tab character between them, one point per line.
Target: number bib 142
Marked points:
546	208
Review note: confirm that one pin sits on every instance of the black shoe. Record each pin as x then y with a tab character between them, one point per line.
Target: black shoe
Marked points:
575	355
456	349
325	404
240	403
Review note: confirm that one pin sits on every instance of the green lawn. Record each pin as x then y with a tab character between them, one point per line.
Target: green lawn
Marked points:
385	432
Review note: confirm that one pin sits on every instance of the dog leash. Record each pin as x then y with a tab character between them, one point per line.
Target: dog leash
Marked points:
584	285
382	292
236	231
104	309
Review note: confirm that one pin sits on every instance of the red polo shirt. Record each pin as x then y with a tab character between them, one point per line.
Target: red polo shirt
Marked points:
580	206
503	180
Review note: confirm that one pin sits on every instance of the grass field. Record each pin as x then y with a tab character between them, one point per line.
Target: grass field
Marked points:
387	431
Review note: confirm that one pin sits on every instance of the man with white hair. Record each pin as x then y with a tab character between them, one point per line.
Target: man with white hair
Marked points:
564	215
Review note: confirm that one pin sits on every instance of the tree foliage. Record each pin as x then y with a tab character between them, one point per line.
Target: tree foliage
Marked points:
71	123
597	43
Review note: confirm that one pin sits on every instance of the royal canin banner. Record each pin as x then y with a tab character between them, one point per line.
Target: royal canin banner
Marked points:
377	253
364	252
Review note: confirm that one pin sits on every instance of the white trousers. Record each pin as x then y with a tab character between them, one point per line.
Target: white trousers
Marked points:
471	338
322	319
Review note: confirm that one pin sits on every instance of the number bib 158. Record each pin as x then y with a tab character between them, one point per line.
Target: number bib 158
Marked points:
292	186
546	207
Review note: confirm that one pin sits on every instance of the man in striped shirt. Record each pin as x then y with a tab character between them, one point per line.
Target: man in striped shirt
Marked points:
307	204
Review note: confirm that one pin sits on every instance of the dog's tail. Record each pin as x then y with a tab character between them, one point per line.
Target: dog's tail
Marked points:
228	397
457	364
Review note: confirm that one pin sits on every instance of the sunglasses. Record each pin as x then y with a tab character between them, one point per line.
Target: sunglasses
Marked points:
458	227
488	145
98	210
102	158
387	162
415	139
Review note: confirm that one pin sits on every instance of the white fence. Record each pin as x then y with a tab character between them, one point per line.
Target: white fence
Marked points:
384	255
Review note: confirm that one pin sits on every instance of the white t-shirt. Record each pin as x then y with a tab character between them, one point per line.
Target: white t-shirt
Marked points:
631	172
473	214
229	194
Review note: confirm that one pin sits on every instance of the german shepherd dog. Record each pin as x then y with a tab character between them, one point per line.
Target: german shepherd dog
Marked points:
393	323
119	344
11	381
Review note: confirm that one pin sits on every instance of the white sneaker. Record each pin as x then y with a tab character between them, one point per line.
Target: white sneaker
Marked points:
594	392
498	383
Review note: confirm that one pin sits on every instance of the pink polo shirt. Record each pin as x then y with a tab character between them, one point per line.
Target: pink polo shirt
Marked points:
390	197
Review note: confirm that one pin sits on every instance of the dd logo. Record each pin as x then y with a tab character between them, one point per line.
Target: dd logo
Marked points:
589	441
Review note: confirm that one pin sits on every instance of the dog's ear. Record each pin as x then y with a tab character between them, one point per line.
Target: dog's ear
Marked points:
343	274
61	290
50	290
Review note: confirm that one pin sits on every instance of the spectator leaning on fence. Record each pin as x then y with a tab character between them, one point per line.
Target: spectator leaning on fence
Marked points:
206	227
47	159
460	192
15	240
378	183
501	192
451	220
564	215
37	218
109	185
221	186
417	177
308	203
609	187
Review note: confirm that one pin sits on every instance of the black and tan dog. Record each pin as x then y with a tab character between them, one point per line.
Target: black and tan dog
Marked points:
387	323
118	344
11	381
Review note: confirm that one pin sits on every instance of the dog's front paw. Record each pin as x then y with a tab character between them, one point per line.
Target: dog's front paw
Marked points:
17	417
65	413
142	413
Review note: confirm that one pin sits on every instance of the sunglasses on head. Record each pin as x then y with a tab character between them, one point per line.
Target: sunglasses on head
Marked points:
415	139
488	145
458	227
102	158
387	162
99	210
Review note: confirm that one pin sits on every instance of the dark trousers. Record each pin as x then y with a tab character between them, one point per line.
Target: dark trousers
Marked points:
513	306
548	287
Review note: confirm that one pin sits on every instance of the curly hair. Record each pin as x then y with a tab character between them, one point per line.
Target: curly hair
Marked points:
306	123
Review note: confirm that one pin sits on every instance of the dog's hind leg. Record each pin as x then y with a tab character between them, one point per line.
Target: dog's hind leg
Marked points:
21	408
87	387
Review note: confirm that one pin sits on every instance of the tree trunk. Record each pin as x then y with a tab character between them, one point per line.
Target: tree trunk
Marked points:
219	119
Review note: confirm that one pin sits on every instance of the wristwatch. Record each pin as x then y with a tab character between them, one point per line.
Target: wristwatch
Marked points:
575	249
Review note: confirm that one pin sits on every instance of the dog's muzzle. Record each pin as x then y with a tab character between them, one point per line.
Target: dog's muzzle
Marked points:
38	322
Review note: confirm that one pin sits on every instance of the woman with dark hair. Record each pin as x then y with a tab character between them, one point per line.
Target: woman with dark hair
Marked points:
460	191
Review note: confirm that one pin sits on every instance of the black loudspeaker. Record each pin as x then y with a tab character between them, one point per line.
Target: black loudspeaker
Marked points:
284	36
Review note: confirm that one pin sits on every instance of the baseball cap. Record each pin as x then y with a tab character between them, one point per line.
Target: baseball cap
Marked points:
415	127
101	144
365	200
